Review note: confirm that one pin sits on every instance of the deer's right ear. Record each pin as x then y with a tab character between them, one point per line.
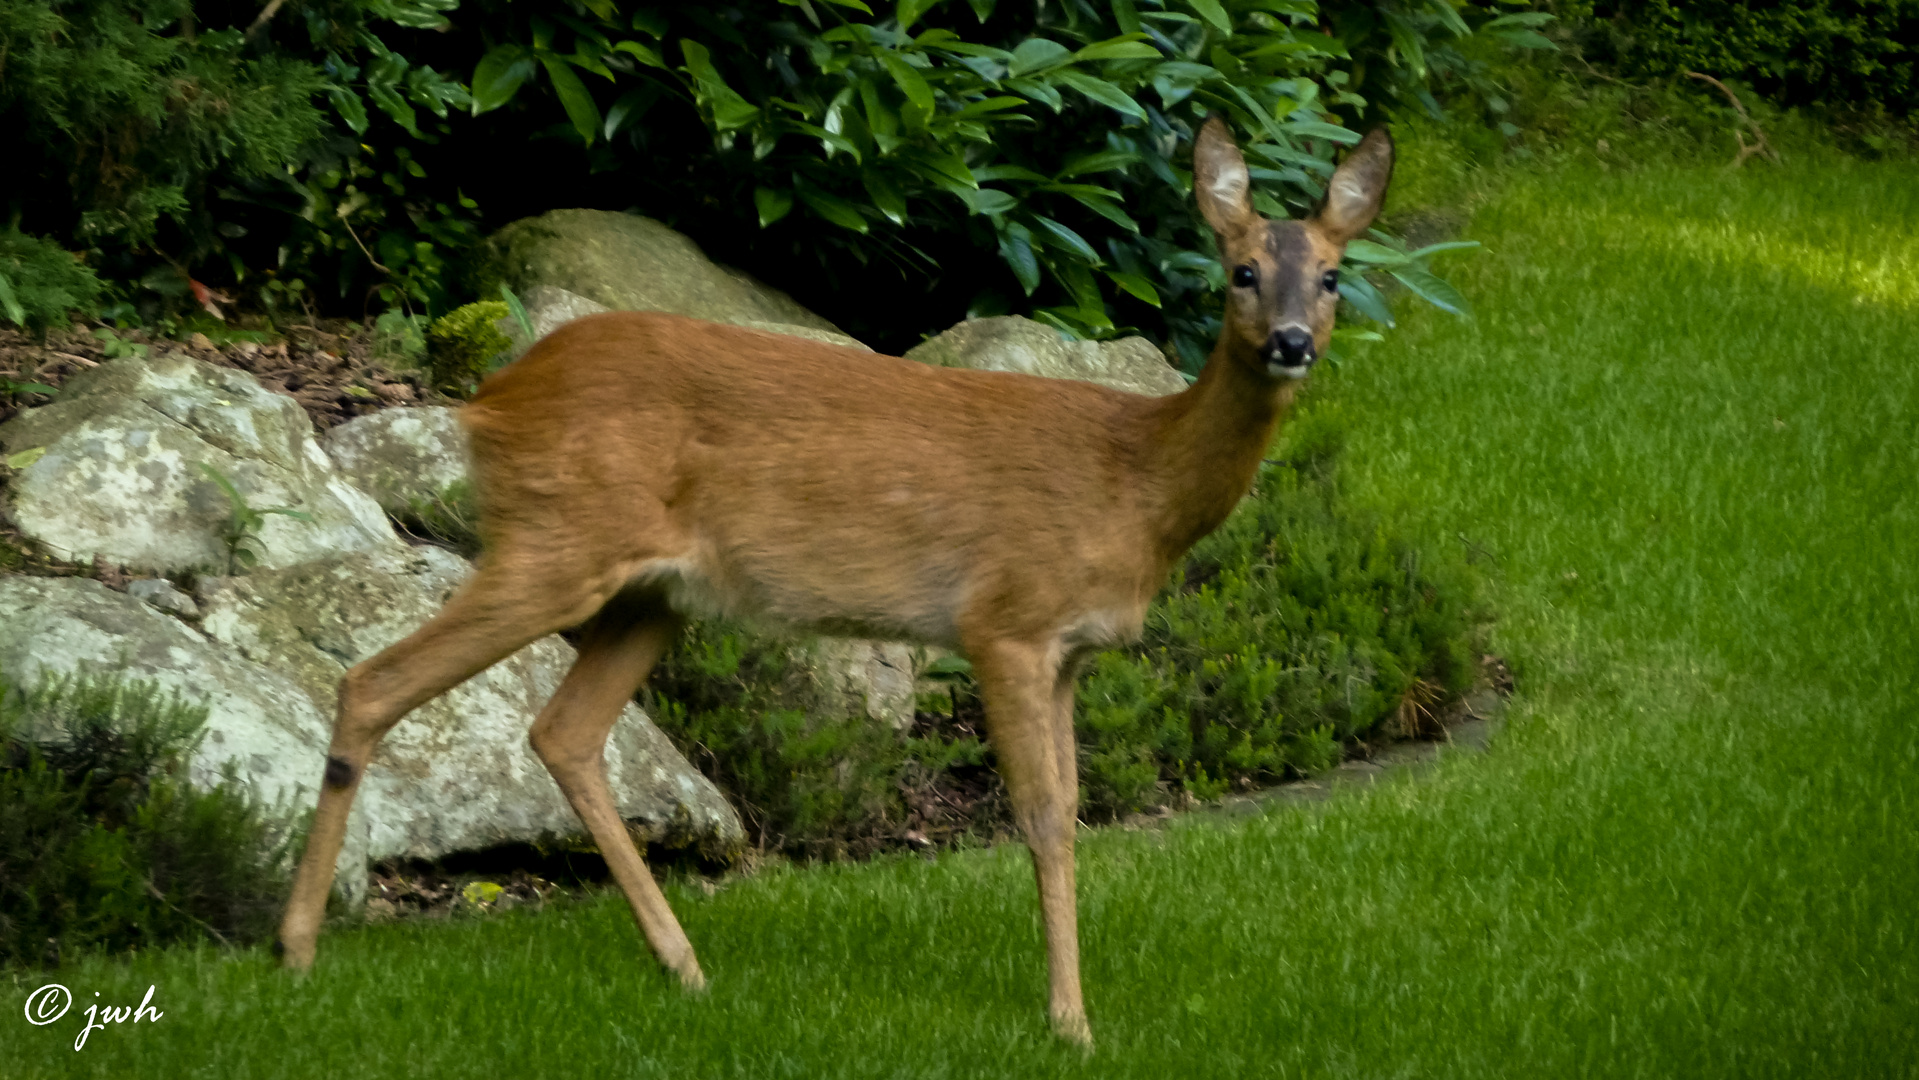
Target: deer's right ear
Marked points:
1220	181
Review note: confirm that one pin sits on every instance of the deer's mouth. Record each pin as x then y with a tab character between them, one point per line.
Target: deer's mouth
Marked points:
1277	368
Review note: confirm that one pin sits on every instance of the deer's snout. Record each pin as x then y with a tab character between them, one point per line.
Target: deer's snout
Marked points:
1290	352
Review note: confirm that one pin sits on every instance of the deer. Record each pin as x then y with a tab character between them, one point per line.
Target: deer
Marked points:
635	469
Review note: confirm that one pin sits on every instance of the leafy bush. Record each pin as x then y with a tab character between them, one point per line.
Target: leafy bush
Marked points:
1297	626
103	845
40	283
1852	52
464	344
177	140
950	159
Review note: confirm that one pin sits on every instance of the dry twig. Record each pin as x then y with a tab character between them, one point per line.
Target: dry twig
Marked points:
1761	146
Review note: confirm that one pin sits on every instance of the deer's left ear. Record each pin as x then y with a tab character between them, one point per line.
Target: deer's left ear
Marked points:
1358	188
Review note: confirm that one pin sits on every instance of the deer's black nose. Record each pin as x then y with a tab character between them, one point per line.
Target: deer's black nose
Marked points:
1291	347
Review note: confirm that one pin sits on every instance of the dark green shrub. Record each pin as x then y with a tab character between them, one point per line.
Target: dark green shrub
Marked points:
103	845
40	282
809	784
179	140
945	158
1862	53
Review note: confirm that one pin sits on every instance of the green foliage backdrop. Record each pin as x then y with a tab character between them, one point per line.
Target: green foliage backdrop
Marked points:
1860	53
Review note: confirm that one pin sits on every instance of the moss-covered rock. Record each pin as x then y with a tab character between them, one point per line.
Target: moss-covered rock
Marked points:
464	344
1012	343
628	263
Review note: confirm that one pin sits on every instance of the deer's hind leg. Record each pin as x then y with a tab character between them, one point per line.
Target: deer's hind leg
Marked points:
619	647
506	605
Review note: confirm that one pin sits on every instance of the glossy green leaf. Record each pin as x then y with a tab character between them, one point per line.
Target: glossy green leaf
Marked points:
1525	39
730	110
1446	245
631	106
1103	92
1406	39
1213	13
1035	55
1065	239
1316	129
911	83
909	11
1006	172
11	303
1374	254
498	76
773	204
395	106
1099	201
1522	18
1119	48
1433	289
990	201
885	195
834	209
1360	293
574	97
1034	90
351	109
1449	17
1016	248
1100	162
641	53
1136	285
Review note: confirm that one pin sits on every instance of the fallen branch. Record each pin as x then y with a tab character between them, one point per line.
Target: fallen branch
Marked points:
1745	151
266	14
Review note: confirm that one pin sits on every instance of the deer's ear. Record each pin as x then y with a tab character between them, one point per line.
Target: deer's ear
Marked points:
1220	181
1358	188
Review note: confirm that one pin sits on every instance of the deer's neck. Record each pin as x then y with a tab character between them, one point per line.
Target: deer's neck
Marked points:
1209	444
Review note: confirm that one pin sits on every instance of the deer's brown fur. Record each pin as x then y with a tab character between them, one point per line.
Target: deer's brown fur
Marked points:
636	467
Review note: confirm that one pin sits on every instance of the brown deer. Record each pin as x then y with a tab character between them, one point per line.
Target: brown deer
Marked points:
634	467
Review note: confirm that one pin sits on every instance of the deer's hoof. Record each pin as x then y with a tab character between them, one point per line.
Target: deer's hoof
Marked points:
1073	1028
692	979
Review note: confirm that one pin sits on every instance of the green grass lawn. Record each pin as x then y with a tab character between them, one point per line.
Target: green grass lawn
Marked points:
1683	436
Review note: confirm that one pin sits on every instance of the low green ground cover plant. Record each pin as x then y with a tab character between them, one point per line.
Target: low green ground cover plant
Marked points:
104	846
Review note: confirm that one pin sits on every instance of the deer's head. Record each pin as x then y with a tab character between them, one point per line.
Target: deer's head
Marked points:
1283	276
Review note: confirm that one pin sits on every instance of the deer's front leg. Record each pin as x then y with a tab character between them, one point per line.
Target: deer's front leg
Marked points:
1020	686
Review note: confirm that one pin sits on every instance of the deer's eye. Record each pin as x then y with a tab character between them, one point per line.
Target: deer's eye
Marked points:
1246	277
1331	281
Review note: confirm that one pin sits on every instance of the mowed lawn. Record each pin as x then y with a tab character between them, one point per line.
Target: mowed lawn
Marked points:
1683	438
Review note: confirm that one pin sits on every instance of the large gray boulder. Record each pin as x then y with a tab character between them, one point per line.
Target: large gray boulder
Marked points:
457	773
401	457
1012	343
119	474
548	308
262	722
622	262
858	677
